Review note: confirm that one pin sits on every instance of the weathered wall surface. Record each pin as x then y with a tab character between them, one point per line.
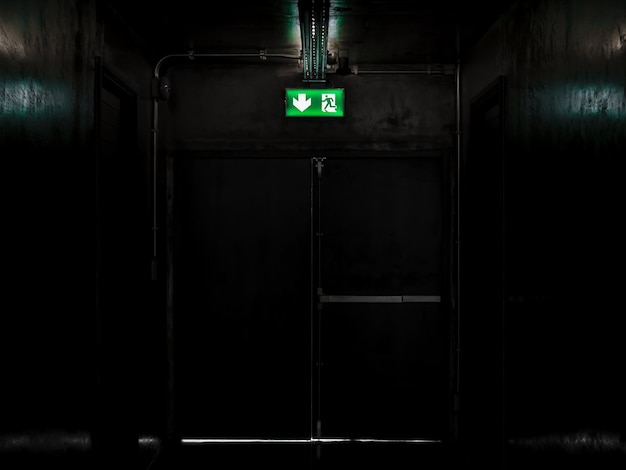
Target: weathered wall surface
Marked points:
564	63
236	107
46	131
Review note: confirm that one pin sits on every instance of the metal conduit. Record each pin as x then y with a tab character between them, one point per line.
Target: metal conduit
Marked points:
445	70
421	69
262	55
191	55
423	72
458	213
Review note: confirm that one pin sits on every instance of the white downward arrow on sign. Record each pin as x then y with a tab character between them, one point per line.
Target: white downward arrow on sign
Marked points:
302	102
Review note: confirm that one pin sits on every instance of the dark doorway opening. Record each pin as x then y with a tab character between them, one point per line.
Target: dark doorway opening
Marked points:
121	267
482	278
310	297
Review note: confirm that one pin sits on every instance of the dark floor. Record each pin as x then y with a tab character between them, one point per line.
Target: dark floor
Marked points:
310	456
72	451
566	454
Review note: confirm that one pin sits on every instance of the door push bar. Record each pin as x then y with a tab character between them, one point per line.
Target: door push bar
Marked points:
377	299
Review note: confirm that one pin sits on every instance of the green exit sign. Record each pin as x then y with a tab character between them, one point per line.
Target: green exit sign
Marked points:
318	102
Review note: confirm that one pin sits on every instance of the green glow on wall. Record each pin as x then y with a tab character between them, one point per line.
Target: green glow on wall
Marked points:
599	100
575	100
31	98
319	102
293	31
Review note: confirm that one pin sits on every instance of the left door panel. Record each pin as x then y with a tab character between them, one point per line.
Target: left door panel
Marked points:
242	297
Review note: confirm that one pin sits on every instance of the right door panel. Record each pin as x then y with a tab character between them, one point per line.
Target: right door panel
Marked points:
383	339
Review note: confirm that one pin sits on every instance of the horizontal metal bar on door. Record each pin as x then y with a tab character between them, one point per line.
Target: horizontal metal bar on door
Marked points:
374	299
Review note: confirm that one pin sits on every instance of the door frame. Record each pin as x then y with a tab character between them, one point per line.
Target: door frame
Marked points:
447	255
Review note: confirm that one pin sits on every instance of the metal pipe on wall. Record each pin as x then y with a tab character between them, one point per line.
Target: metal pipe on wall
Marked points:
191	55
458	132
422	72
159	93
399	69
262	55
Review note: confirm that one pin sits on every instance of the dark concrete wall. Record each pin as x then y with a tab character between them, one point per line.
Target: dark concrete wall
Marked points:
47	79
46	125
52	337
564	66
241	107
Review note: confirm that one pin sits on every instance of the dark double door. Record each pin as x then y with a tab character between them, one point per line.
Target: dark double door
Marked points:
308	298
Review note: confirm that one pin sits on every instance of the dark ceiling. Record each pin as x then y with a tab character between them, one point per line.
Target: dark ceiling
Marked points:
367	31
